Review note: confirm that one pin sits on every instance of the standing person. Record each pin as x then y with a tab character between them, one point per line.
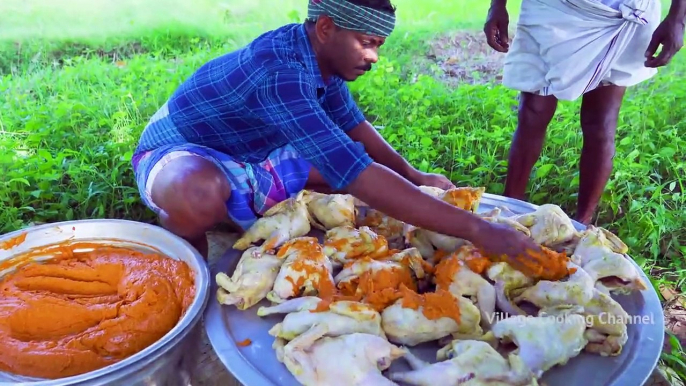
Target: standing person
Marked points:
566	49
255	126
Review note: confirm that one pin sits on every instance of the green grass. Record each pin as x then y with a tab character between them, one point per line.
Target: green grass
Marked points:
80	79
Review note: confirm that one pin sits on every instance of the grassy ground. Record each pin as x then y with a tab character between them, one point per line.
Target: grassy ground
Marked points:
80	79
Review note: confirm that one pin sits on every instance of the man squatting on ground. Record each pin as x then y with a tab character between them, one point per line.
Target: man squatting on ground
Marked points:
564	49
255	126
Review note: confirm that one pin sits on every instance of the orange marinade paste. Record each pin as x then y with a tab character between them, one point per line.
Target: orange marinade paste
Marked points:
82	311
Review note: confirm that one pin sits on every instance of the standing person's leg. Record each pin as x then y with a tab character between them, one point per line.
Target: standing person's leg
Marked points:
535	113
599	115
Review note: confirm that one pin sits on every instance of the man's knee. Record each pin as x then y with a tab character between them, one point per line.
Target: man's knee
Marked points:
192	193
536	111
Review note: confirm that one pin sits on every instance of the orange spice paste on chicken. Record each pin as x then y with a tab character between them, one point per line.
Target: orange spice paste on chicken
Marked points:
361	246
82	311
450	265
311	266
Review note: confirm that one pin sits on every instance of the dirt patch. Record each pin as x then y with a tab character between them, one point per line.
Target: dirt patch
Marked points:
466	57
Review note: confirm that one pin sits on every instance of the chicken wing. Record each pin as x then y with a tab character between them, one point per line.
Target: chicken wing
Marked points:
596	254
461	274
328	211
415	318
346	243
340	317
468	362
549	225
348	360
376	282
252	279
282	222
496	215
542	341
306	271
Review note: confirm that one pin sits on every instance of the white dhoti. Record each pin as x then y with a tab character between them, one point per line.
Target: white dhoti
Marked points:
566	48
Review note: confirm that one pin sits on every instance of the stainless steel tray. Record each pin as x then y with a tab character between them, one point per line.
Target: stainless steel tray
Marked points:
256	364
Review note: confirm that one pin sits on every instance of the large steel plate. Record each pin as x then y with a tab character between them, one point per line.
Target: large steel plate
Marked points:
256	364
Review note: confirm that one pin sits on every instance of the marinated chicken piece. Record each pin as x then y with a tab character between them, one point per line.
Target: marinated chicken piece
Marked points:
468	362
549	225
355	359
607	317
284	221
428	242
340	317
576	290
467	198
328	211
306	271
542	342
252	279
415	318
346	243
376	282
596	254
461	275
385	226
507	279
607	333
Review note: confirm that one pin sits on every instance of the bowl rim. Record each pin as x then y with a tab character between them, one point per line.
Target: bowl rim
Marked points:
149	354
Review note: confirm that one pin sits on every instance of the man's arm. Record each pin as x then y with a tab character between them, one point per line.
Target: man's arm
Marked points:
345	113
289	102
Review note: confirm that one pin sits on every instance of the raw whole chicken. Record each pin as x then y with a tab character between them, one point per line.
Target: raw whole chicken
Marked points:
464	197
355	359
252	279
549	225
415	318
611	270
607	319
306	271
346	243
461	275
284	221
542	341
328	211
340	317
377	282
469	362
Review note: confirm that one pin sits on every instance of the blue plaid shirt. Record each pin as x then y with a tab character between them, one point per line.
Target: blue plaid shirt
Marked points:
268	94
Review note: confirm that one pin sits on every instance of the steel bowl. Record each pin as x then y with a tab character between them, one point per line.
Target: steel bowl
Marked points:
166	362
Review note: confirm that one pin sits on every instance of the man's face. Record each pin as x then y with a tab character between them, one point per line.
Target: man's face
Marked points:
347	54
351	54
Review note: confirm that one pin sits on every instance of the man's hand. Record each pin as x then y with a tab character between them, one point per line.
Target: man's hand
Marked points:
432	179
669	34
496	26
499	241
384	190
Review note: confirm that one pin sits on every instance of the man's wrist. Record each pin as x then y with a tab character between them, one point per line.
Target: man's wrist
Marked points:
677	12
411	174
